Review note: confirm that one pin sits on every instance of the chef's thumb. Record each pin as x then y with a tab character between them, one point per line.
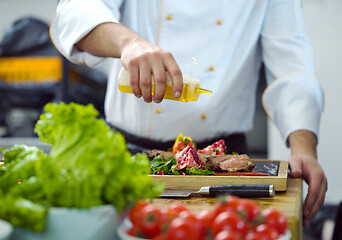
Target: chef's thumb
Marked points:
295	167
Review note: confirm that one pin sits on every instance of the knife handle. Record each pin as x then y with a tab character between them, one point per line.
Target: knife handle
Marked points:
247	191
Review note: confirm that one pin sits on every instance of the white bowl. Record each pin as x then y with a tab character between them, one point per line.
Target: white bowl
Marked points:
5	230
98	223
122	231
286	236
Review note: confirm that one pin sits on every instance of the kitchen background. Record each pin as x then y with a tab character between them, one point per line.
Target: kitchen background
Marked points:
323	22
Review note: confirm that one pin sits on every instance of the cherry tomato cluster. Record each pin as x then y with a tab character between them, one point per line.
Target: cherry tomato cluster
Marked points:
232	218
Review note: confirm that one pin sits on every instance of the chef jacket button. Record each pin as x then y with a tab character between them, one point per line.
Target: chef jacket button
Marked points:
211	68
203	116
158	110
219	22
169	17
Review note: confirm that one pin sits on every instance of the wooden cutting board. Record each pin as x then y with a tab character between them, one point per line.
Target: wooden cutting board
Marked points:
278	171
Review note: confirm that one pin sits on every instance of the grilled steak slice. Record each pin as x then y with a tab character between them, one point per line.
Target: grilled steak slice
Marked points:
220	163
232	163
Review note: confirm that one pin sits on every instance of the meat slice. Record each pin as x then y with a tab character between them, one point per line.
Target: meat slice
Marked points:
232	163
220	163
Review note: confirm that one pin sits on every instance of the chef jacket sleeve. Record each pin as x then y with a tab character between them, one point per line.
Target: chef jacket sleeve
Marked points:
74	19
293	99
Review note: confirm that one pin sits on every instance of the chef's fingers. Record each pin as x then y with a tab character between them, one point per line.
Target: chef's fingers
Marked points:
309	213
175	73
317	205
159	76
316	193
133	73
145	72
296	167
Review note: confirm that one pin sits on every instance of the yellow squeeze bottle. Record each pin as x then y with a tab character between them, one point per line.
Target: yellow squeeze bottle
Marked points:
191	87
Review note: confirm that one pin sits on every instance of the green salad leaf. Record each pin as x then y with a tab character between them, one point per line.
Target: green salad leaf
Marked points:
20	165
167	167
199	171
88	165
23	213
158	164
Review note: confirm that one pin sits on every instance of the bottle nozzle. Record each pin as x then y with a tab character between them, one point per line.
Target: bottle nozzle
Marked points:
203	91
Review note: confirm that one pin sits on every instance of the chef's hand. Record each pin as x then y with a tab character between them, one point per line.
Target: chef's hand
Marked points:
139	57
303	163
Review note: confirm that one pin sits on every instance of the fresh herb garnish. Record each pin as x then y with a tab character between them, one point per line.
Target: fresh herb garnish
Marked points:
170	167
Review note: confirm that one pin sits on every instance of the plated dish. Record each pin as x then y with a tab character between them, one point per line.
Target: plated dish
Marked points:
185	159
185	167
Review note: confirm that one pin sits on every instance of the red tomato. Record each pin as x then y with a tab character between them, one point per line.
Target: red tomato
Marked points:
150	221
276	219
178	146
181	229
206	217
231	203
231	221
268	230
166	218
197	225
134	231
256	236
159	237
250	207
135	212
228	235
170	213
177	208
187	215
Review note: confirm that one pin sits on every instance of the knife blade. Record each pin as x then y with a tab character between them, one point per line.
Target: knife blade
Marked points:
247	191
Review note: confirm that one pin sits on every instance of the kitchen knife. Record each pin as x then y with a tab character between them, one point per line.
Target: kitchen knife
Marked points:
248	191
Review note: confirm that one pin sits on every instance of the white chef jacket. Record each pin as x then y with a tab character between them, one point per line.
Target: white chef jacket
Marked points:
229	39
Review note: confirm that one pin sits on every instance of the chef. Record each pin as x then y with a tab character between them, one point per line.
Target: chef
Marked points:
229	41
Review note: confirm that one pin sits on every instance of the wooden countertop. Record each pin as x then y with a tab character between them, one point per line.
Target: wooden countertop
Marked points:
289	202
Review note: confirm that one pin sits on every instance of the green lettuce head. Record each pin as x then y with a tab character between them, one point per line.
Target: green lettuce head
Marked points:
88	165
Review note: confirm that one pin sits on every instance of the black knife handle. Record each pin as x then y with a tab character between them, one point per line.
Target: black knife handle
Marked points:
247	191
